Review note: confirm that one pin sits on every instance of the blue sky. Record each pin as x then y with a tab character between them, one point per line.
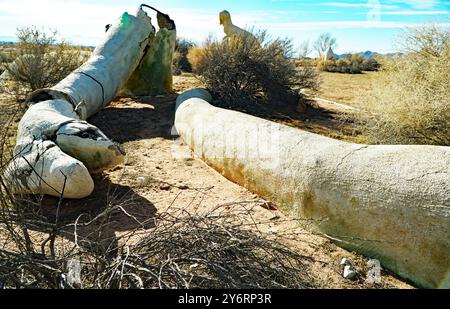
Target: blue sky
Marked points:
358	25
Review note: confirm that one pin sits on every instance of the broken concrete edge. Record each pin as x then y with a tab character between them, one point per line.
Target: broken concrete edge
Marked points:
389	202
154	74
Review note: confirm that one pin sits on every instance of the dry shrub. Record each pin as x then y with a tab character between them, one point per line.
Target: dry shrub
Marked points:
322	43
176	63
6	56
220	248
355	64
42	59
305	62
410	101
4	59
216	249
181	62
195	57
242	70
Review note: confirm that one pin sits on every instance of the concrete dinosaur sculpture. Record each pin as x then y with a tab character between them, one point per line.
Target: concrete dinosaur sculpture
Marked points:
56	148
389	202
230	29
154	74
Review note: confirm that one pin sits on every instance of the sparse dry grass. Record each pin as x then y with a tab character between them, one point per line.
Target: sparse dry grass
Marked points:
346	88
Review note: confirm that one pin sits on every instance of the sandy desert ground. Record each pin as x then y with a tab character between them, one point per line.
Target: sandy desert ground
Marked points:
161	173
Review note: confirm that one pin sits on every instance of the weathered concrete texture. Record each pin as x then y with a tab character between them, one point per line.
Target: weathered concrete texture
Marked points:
56	149
154	73
391	203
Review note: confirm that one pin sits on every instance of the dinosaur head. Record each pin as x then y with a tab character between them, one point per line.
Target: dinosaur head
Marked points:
224	17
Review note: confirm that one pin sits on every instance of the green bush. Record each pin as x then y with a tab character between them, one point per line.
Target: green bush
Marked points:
243	69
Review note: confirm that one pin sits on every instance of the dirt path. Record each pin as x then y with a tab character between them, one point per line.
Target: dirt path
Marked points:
161	172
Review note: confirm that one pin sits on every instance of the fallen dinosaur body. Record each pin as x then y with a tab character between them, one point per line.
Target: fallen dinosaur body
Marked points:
389	202
56	148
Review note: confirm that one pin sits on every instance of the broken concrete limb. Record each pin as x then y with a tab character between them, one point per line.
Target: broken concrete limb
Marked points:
388	202
154	73
44	168
56	148
93	85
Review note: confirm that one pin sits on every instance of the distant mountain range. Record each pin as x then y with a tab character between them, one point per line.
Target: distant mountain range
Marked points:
370	54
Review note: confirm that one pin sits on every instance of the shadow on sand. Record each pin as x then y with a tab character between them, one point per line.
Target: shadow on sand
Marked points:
111	209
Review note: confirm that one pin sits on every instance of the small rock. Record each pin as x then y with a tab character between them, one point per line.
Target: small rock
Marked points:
158	167
164	187
183	187
372	263
73	276
349	272
373	272
141	181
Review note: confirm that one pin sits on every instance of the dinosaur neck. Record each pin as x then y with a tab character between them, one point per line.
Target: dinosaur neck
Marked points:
227	22
226	26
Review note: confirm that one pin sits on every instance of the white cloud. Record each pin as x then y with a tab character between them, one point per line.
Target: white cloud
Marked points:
422	4
367	4
342	25
417	13
84	23
330	12
80	22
